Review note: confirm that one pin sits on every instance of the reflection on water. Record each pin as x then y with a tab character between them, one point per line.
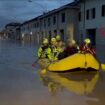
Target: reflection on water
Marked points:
88	85
20	84
79	83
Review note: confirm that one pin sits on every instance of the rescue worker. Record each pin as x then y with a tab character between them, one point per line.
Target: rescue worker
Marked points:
71	48
59	41
54	49
87	48
58	38
44	51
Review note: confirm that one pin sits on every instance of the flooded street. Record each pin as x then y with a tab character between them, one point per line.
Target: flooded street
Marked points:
21	84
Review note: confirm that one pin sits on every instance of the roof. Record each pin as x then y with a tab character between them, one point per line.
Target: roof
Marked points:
73	5
13	24
28	21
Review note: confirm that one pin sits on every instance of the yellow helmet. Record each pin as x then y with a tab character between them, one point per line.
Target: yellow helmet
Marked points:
73	42
45	41
88	41
53	40
43	72
58	37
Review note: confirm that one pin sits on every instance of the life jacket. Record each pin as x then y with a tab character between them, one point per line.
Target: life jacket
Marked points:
55	52
44	52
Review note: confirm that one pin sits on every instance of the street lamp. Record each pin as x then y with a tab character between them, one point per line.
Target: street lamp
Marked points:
23	35
29	0
31	36
31	33
44	8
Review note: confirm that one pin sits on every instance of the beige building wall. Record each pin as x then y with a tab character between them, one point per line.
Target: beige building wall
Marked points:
67	29
72	27
72	24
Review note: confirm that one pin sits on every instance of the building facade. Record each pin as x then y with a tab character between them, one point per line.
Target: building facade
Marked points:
12	31
78	20
92	21
62	21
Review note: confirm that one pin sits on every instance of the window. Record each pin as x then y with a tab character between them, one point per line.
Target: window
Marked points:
23	29
87	14
54	20
93	13
28	27
49	22
33	26
62	34
44	23
79	15
103	10
55	33
42	37
63	17
37	24
40	24
50	36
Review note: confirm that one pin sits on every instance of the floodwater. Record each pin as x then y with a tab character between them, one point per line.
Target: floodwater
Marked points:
21	84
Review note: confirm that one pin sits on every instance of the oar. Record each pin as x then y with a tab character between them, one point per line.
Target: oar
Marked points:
35	62
103	66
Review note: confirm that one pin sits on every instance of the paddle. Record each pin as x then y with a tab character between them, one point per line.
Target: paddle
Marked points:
35	62
103	66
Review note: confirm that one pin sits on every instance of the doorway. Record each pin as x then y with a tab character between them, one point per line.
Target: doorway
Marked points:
55	33
91	33
50	36
62	34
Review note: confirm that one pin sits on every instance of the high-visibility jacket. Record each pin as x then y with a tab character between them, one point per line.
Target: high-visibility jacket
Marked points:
44	52
55	52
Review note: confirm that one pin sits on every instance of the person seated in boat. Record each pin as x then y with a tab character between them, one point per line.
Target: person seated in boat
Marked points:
71	48
61	47
44	51
61	53
87	47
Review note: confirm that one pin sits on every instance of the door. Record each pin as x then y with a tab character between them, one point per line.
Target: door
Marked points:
62	34
50	36
91	33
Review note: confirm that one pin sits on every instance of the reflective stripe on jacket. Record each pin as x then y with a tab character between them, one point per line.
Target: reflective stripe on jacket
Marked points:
44	52
55	52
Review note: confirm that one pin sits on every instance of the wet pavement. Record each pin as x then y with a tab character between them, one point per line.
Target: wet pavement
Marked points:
21	84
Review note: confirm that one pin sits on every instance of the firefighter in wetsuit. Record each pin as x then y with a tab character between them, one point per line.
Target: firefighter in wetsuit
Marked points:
44	51
60	46
87	48
54	49
60	43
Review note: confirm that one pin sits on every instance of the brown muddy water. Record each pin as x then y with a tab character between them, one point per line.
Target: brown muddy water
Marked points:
21	84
